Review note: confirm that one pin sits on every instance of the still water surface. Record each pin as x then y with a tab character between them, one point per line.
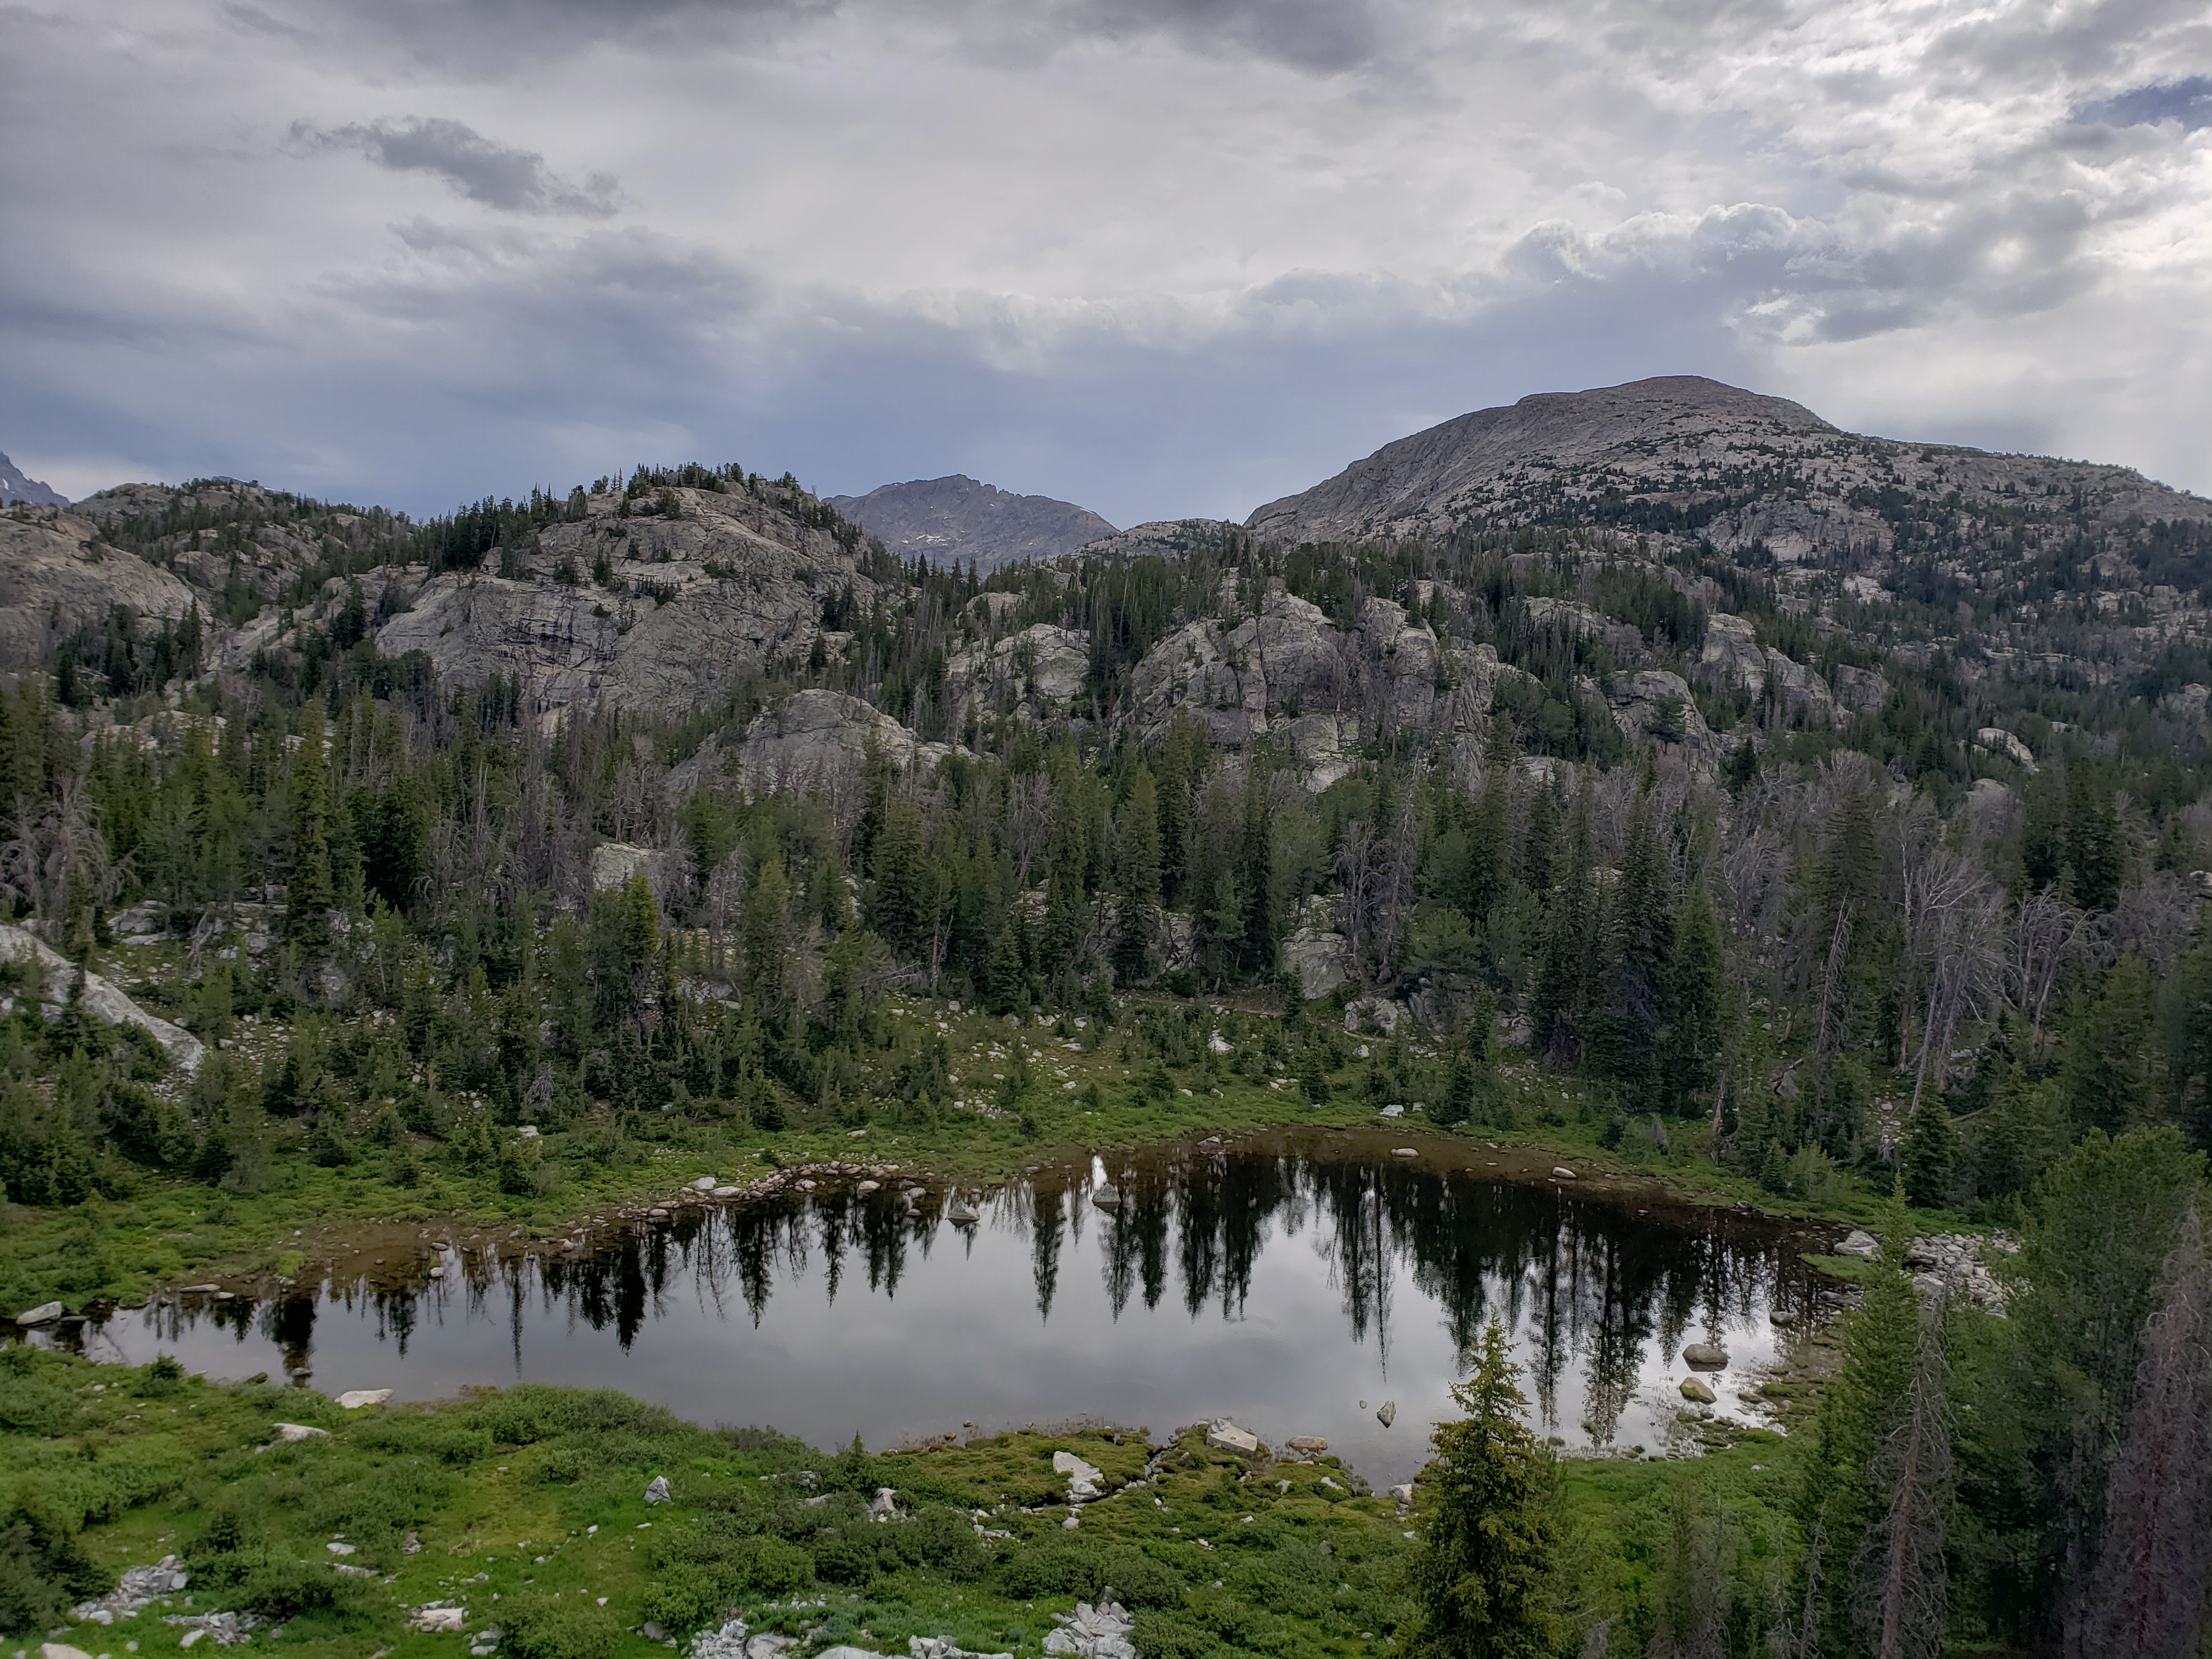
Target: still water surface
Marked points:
1293	1282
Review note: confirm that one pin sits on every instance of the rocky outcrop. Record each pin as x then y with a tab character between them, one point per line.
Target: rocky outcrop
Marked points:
95	995
1034	674
1291	674
956	519
820	741
56	575
1733	656
682	600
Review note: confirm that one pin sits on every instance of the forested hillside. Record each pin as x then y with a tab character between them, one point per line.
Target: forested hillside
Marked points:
1876	866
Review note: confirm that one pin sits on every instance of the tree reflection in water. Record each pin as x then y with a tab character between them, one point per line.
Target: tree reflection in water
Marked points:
1594	1292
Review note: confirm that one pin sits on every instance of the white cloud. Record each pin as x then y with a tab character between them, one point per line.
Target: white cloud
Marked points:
1157	256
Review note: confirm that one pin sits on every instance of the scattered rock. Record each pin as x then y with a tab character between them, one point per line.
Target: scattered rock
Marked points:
450	1619
338	1548
60	1650
1310	1444
658	1493
225	1630
1099	1632
1402	1495
1561	1172
940	1647
355	1399
1861	1243
1387	1413
1705	1356
1694	1388
1085	1481
44	1314
960	1213
292	1433
727	1642
1224	1436
884	1506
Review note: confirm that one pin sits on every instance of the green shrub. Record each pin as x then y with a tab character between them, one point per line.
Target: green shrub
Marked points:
544	1627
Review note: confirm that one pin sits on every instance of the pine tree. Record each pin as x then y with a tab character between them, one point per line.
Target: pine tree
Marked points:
1903	1588
308	891
767	933
1256	879
1930	1154
2093	842
899	901
2111	1064
1640	942
1480	1570
1136	847
1697	984
1561	1004
1839	1497
2148	1598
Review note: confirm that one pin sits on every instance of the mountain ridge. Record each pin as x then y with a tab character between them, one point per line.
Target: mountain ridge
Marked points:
959	519
17	490
1681	453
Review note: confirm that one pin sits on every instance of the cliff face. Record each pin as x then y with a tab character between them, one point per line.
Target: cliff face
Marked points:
1691	457
956	519
652	611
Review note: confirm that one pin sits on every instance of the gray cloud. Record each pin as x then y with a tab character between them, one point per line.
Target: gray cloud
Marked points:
2188	102
498	175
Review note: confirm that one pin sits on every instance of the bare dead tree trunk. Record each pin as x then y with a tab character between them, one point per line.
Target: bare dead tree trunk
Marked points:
1840	945
2148	1598
1903	1599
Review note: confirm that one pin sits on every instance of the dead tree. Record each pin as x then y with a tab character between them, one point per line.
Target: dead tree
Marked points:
2149	1599
1902	1599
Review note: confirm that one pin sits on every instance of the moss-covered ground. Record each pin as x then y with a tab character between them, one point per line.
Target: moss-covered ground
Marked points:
528	1507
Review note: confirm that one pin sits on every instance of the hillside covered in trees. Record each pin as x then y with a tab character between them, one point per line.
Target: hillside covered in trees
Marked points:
1858	862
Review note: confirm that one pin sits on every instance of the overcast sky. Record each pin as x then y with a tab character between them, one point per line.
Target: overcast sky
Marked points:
1162	257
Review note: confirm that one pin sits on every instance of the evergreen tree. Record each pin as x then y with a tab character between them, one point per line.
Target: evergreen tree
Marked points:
2093	842
2148	1599
767	933
1840	1501
1696	986
898	901
1929	1154
1481	1565
1561	1004
1136	847
1255	877
307	888
2111	1066
1639	947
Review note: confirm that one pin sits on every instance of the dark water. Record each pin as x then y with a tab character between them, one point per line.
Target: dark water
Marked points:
1281	1281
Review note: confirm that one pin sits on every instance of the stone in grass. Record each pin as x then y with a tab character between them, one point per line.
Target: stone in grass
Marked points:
355	1399
44	1314
1694	1388
1861	1243
658	1493
1085	1481
1224	1436
1308	1443
292	1433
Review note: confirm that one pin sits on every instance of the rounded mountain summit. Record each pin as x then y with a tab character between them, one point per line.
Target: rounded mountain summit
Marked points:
956	519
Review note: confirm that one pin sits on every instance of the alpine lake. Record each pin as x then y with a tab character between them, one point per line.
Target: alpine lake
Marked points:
1310	1282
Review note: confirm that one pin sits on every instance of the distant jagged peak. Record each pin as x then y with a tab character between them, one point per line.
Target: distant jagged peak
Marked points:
16	490
958	519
